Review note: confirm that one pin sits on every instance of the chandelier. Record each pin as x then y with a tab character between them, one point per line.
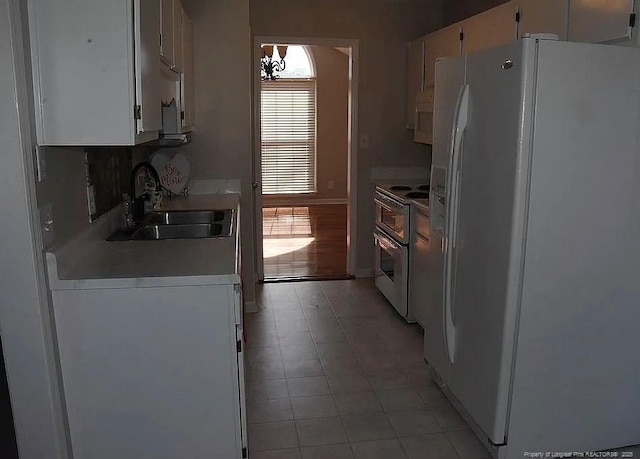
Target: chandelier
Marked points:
269	65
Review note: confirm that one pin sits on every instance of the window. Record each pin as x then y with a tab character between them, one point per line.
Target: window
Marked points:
288	114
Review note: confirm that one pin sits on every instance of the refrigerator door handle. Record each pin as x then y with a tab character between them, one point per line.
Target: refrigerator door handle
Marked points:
460	120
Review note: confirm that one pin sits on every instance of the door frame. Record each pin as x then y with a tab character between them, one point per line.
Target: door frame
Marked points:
352	190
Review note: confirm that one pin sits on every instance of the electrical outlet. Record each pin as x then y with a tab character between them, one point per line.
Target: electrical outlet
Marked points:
331	185
364	141
46	224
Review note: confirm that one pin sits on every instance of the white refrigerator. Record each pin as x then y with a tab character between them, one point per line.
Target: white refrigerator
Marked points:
536	157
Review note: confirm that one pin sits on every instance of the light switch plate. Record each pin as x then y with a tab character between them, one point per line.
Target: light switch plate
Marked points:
46	225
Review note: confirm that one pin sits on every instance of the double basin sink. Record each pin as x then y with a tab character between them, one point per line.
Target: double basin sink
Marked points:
178	225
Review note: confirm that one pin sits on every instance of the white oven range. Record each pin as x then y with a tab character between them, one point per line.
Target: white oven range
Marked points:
392	240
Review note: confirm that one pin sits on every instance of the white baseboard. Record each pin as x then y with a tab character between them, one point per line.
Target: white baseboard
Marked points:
365	272
250	306
302	202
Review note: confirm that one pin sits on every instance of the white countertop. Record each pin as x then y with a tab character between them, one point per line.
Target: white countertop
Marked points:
90	262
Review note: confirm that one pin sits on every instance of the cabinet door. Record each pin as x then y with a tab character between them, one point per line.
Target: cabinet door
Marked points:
178	53
501	24
474	33
415	77
597	21
544	16
491	28
419	285
147	71
187	75
150	372
443	43
166	31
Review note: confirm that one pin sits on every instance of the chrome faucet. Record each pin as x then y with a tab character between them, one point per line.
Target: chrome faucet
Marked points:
138	201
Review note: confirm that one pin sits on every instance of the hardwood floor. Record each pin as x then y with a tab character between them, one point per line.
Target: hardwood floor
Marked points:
305	242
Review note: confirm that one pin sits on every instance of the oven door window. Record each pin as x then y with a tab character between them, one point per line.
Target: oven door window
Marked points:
387	263
393	219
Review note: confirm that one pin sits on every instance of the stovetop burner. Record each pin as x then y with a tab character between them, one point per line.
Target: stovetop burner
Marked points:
424	187
418	195
400	188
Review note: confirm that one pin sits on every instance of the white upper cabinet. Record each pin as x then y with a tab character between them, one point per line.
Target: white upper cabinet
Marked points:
147	42
490	28
178	46
95	70
171	36
543	16
598	21
442	43
166	31
188	118
415	77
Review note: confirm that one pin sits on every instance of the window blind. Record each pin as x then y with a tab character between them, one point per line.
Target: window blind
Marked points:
288	120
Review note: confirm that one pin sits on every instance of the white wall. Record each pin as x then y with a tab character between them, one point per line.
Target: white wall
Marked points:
222	145
222	139
383	30
24	312
457	10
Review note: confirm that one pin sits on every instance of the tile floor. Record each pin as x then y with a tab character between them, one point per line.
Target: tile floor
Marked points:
334	373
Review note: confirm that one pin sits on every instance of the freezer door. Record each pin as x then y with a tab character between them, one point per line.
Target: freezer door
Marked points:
490	165
449	79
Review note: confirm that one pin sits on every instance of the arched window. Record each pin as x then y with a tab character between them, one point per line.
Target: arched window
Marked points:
298	63
288	122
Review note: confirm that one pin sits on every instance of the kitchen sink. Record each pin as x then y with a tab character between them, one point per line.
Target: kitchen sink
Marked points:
178	225
186	231
186	217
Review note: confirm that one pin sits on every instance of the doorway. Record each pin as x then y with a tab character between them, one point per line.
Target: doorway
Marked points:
304	168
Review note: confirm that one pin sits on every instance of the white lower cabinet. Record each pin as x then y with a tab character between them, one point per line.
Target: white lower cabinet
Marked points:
153	372
420	276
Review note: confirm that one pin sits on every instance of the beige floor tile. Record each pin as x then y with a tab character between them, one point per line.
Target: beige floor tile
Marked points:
302	368
388	380
357	403
341	365
348	384
267	389
272	435
434	446
327	452
324	431
413	423
330	350
318	406
368	426
467	445
269	410
400	399
277	454
447	417
308	386
299	352
379	449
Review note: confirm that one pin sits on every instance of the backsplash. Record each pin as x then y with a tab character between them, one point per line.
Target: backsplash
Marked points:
108	171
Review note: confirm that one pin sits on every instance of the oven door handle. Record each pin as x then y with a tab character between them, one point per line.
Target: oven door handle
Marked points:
384	205
386	242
